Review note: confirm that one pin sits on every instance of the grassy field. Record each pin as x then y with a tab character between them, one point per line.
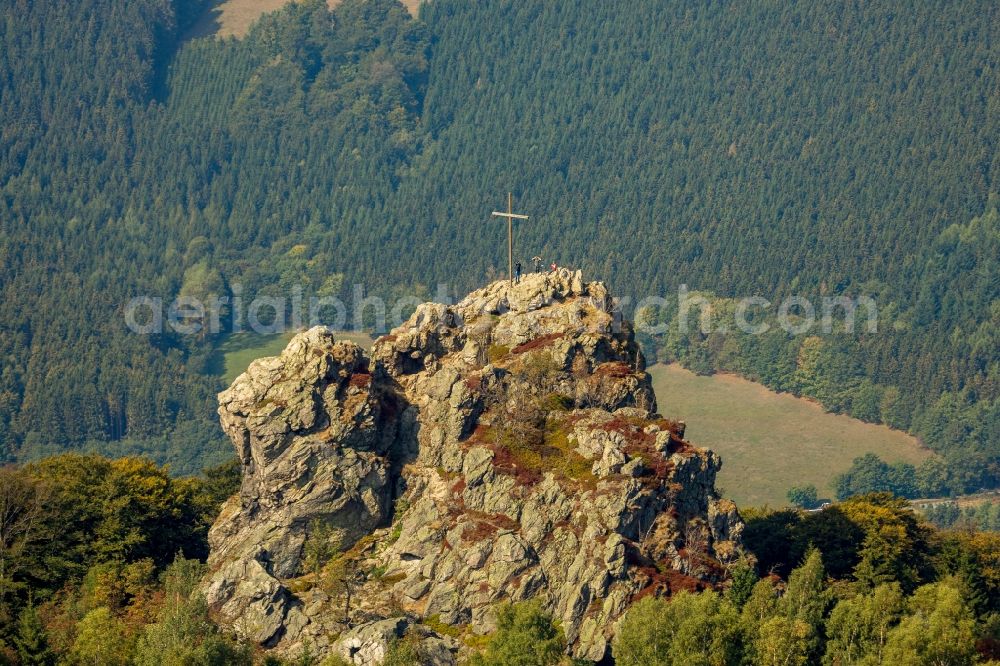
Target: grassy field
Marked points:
233	18
234	355
770	441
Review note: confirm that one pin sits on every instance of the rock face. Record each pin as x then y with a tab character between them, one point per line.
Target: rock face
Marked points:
501	449
313	439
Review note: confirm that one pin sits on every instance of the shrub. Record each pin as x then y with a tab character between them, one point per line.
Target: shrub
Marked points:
687	629
804	497
525	636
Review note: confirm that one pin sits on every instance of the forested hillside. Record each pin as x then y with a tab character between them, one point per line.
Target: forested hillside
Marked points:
771	148
158	173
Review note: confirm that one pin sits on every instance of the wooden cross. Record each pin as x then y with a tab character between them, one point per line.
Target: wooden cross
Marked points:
511	216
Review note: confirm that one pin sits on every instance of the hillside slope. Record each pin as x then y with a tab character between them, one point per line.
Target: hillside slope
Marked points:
771	148
771	442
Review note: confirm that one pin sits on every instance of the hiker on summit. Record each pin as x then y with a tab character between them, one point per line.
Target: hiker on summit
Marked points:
517	272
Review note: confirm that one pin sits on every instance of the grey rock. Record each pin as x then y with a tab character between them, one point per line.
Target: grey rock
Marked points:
369	644
572	508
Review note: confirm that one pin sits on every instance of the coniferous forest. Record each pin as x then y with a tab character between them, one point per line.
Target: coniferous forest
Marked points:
770	148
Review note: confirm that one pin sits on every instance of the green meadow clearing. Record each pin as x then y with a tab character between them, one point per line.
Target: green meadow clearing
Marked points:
770	441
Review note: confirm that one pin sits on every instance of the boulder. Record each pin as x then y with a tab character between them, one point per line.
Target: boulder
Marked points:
370	643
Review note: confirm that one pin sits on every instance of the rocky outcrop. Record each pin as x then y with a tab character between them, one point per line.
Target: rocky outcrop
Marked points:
500	449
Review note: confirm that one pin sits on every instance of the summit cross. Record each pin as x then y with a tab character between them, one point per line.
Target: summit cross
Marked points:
511	216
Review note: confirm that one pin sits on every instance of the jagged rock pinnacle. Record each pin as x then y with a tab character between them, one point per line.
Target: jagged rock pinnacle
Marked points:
501	449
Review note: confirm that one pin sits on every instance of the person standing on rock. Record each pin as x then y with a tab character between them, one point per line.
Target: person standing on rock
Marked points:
517	272
538	263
